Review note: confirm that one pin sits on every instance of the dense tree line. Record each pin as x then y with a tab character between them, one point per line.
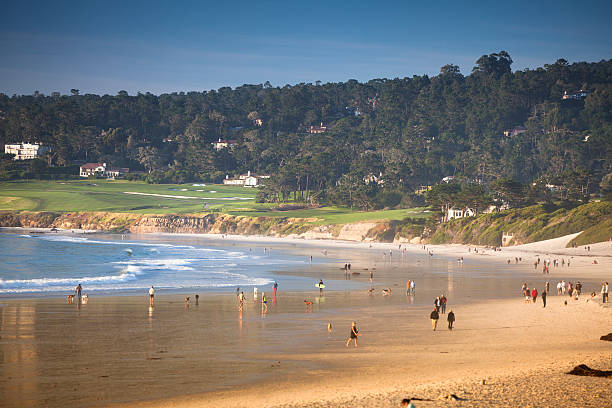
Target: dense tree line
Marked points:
384	137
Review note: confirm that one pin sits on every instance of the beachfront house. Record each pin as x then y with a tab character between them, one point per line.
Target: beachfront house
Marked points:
246	180
102	170
25	151
454	213
223	144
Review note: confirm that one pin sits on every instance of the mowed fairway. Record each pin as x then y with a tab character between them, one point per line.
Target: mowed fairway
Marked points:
142	198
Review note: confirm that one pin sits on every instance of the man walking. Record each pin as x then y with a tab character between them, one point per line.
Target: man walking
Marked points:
451	319
151	295
544	293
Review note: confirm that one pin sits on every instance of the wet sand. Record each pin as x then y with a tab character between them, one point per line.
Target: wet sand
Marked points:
116	351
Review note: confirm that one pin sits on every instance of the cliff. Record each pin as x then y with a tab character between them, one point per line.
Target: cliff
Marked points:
211	223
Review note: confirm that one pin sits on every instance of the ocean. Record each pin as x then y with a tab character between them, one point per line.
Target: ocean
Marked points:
48	264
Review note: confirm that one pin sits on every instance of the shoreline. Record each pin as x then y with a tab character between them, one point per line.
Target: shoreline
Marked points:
262	365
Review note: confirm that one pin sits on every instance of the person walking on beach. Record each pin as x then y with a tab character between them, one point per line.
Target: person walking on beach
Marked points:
78	291
451	319
354	334
437	304
264	303
275	286
412	287
321	286
544	294
434	316
604	292
534	295
443	304
151	295
241	298
408	287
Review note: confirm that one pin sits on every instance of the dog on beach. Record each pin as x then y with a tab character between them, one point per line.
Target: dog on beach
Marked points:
308	304
85	299
70	299
386	292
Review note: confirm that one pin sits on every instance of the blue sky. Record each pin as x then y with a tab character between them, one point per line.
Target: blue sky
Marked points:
165	46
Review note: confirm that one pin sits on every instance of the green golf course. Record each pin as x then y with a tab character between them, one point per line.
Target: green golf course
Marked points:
122	196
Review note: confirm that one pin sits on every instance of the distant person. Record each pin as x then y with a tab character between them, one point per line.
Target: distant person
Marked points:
151	295
78	291
275	286
437	304
544	294
241	299
434	316
406	403
443	304
264	303
412	287
197	298
451	319
321	285
354	334
408	287
255	293
534	295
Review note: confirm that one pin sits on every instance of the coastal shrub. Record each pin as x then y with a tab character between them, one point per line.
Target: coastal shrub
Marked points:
598	233
440	237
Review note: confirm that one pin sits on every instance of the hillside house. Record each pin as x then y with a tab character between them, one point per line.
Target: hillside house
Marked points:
101	169
578	96
223	144
515	131
459	213
318	129
246	180
26	151
422	190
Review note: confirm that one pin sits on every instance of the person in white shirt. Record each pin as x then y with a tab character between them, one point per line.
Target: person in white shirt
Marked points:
151	295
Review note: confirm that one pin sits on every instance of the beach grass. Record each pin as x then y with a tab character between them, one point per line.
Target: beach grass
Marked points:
137	197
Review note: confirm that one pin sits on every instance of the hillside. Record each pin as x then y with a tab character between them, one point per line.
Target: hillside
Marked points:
530	224
379	140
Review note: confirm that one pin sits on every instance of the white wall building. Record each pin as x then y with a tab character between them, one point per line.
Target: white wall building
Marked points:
247	180
26	151
459	213
101	169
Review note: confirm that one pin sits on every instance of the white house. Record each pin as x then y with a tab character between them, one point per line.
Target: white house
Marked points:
247	180
459	213
102	170
26	151
223	144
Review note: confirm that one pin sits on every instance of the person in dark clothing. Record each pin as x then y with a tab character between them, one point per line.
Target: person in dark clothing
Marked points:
451	319
544	293
434	316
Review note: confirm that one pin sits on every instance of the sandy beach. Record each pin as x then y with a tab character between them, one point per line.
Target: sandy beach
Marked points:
115	351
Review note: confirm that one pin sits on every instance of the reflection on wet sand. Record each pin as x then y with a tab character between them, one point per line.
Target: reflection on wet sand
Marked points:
19	354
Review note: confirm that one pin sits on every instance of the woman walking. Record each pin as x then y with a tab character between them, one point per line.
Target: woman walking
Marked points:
354	334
